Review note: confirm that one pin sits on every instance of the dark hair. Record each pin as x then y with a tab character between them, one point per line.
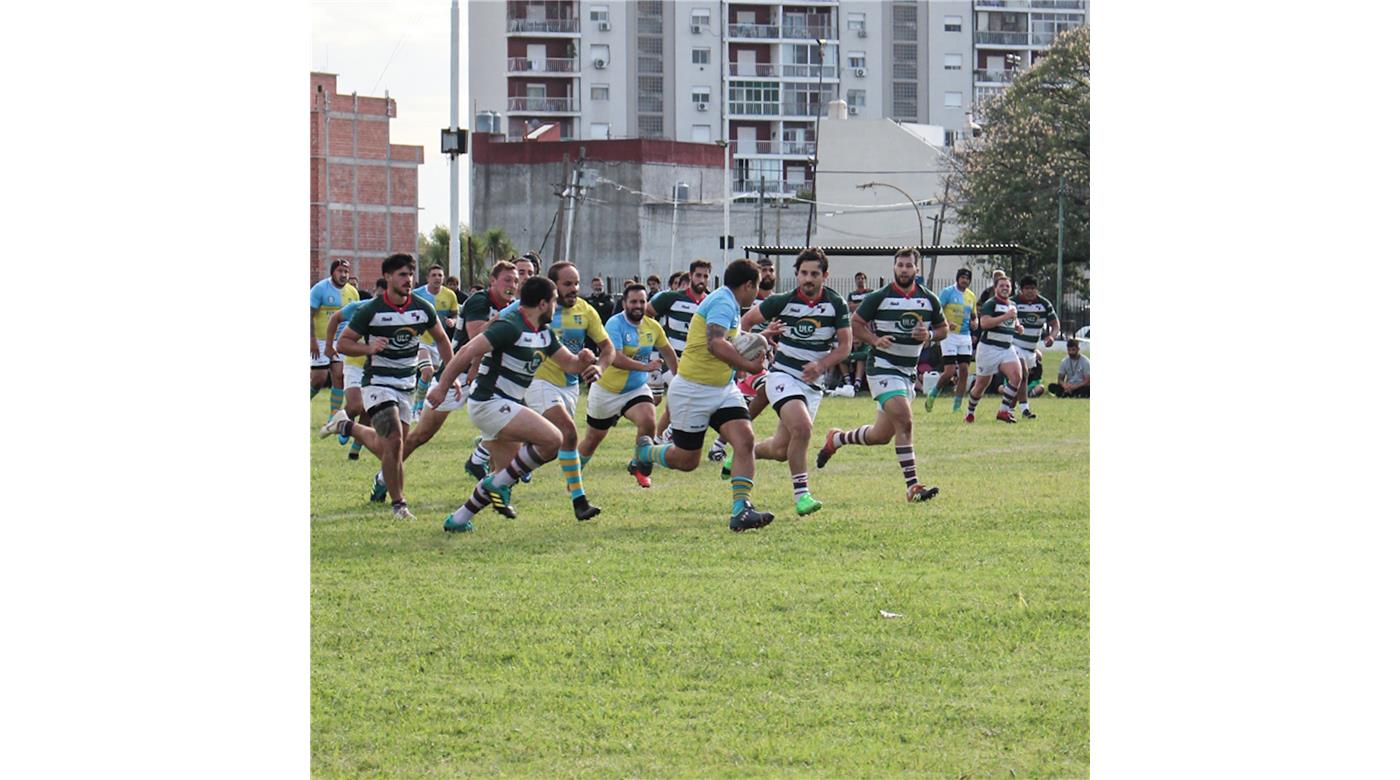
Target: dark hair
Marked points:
1071	342
810	253
435	267
653	278
394	262
451	280
534	266
739	273
554	270
501	267
626	291
694	264
963	272
1028	281
338	262
908	250
381	284
534	290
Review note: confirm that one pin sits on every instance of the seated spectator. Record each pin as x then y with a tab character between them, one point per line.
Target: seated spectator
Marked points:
1074	374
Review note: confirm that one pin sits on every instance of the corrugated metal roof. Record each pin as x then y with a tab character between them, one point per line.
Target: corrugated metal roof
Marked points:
876	251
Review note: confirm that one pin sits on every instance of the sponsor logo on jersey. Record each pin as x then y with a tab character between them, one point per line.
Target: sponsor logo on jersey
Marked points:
909	321
804	328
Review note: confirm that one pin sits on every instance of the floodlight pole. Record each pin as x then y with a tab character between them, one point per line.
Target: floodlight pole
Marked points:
454	249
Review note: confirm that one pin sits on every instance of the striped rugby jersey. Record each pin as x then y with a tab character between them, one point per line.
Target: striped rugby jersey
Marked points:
635	341
570	327
855	297
811	328
396	365
517	350
698	364
444	303
1033	316
1001	335
327	299
478	307
891	312
674	310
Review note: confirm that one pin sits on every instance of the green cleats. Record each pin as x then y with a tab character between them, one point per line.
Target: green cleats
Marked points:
808	504
453	527
929	399
724	470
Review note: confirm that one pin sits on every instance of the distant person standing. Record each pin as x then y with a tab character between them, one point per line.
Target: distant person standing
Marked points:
959	306
653	286
860	355
1073	374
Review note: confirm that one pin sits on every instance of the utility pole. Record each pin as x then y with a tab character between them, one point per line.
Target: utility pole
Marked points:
563	192
454	248
675	212
572	194
1060	253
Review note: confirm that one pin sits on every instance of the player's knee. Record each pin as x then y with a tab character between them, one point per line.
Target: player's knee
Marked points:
385	420
549	443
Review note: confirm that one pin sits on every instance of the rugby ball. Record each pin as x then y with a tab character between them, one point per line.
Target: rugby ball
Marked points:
750	345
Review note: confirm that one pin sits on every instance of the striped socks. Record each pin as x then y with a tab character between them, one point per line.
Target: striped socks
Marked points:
799	485
654	453
905	454
526	459
573	478
856	436
972	401
355	447
337	399
420	392
1008	397
742	489
481	456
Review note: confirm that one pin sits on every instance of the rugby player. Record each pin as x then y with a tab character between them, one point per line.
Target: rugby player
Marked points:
816	335
622	389
897	320
510	349
388	328
703	393
998	322
329	296
959	306
1037	317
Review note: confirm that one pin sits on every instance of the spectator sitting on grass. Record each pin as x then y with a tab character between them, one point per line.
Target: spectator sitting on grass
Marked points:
1074	374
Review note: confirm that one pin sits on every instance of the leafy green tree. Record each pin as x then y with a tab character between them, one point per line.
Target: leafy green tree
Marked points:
1006	182
433	249
497	244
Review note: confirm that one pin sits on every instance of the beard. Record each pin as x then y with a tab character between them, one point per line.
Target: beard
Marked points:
767	284
635	318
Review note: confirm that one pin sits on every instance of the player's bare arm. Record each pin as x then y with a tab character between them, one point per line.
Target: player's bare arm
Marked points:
814	370
717	339
861	329
470	354
315	351
349	344
574	364
669	354
439	335
331	325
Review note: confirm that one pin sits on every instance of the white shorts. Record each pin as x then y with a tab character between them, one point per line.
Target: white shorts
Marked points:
1027	355
605	406
541	395
374	395
492	415
990	357
956	344
659	380
692	404
353	375
452	402
779	385
886	386
323	361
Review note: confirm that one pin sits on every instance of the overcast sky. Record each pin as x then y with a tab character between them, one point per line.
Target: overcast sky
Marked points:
404	47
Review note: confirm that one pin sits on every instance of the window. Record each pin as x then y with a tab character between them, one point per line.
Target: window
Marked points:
598	13
598	92
700	56
855	98
700	17
855	59
952	99
598	130
952	62
855	21
700	134
952	24
700	95
600	51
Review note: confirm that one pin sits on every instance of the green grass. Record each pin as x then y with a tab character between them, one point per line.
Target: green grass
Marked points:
654	642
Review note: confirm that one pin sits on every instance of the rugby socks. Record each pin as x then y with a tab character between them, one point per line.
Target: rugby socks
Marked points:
972	401
856	436
345	427
742	490
420	392
582	459
1008	397
337	399
526	459
573	477
905	454
481	456
355	447
654	453
799	486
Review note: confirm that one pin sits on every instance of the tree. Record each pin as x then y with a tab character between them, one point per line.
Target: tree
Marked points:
433	249
1006	183
497	244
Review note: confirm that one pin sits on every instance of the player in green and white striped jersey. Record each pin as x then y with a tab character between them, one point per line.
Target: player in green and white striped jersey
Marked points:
510	349
898	320
1038	321
392	325
996	351
815	336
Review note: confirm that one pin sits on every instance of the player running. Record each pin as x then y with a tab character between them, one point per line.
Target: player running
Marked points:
354	366
813	318
703	394
390	326
329	296
959	306
1036	314
997	320
622	390
898	320
674	309
444	302
478	311
510	350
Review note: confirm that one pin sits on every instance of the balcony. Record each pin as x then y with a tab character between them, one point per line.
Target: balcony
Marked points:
744	108
753	31
1014	4
808	31
562	65
782	148
809	71
756	70
802	109
770	186
542	105
547	26
1003	38
994	76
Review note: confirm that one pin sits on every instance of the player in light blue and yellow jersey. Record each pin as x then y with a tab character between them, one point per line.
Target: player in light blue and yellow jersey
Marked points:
622	390
554	392
959	307
327	298
704	395
444	302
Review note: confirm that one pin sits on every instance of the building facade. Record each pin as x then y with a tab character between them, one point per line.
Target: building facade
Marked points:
364	189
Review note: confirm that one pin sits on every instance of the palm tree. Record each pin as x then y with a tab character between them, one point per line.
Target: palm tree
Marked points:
497	244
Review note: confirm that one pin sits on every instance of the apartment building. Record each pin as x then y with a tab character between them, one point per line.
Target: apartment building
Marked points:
757	73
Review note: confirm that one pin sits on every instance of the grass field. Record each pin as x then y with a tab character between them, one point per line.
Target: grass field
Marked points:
653	642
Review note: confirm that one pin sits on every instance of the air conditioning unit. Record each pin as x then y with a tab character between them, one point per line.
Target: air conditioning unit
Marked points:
860	33
695	29
702	106
853	111
604	26
859	72
600	64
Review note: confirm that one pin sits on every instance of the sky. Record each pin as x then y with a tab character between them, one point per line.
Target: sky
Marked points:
404	47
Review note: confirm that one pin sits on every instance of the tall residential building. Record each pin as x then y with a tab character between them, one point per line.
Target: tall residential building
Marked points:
756	72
